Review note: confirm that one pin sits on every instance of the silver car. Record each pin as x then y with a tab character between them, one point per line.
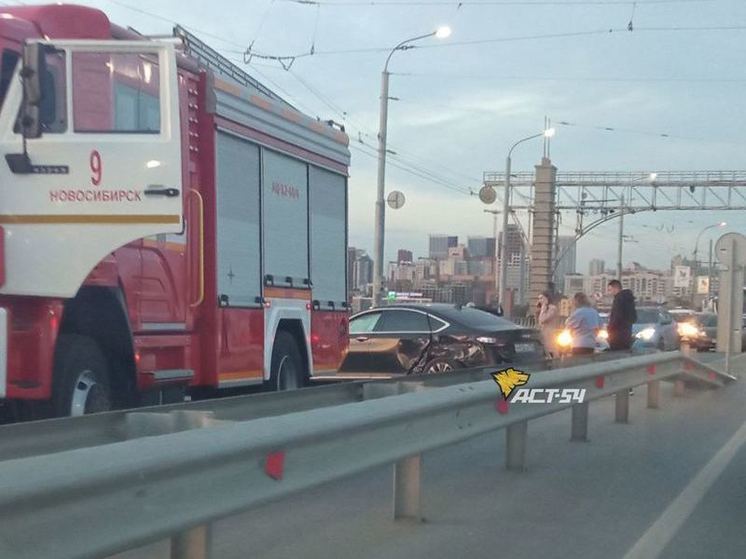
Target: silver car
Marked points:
655	328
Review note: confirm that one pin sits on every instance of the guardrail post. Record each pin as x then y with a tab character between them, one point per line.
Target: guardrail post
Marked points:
194	543
579	423
654	394
621	408
515	446
407	501
679	388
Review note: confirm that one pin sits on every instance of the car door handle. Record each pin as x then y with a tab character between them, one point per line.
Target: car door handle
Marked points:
362	338
153	190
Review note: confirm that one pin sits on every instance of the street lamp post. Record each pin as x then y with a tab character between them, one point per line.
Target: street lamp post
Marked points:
548	133
440	33
495	213
699	236
709	265
621	242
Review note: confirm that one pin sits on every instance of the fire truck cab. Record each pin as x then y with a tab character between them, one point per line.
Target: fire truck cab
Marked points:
167	221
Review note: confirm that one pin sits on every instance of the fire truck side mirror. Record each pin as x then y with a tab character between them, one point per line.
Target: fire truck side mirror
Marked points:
31	76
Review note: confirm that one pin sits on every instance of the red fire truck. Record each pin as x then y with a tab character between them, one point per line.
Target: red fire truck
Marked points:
167	221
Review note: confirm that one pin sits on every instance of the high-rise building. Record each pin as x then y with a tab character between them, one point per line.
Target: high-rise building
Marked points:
352	255
566	253
403	255
362	271
573	284
481	247
515	242
596	267
426	269
439	245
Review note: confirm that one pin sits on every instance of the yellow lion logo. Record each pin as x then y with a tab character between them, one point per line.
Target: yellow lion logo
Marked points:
508	379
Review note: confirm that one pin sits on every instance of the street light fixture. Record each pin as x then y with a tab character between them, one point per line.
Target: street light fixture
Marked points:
548	133
699	236
440	33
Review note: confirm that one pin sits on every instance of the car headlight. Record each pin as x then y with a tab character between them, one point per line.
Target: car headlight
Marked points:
564	338
645	334
603	334
688	330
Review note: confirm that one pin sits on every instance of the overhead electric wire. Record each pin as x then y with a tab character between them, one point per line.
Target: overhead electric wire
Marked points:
625	130
493	40
623	79
374	155
398	154
475	3
174	22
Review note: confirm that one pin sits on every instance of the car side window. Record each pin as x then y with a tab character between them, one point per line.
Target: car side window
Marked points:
403	321
365	323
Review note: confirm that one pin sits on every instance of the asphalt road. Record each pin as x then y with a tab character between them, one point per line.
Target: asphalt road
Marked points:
671	483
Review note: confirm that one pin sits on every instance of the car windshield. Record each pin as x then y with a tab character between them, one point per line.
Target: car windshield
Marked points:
647	316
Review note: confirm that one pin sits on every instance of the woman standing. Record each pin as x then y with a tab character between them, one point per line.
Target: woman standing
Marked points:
547	320
584	324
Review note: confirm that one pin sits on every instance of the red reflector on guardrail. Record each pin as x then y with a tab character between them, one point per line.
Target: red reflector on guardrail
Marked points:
502	406
600	382
711	375
274	467
651	369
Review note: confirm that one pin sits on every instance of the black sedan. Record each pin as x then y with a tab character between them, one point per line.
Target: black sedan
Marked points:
434	338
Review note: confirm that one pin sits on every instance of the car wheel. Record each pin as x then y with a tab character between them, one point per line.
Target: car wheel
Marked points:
440	365
287	365
81	383
661	344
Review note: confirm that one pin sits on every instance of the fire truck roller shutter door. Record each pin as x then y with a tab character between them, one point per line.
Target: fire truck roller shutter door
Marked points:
238	258
328	203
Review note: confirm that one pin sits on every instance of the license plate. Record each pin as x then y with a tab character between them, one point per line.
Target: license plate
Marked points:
525	348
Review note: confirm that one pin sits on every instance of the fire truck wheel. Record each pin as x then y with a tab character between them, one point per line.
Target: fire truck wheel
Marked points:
81	378
287	365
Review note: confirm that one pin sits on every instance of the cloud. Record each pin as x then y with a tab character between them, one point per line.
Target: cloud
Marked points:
471	107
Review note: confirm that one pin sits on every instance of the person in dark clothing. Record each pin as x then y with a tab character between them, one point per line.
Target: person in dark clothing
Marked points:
623	315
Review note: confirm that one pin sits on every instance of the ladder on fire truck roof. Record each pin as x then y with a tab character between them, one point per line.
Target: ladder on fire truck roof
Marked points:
211	58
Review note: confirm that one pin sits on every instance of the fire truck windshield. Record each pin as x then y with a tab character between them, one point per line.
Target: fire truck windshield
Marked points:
8	62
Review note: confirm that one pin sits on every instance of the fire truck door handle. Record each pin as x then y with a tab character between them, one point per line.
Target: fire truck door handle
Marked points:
156	190
201	248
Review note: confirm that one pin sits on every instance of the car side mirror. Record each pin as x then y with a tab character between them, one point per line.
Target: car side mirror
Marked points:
34	67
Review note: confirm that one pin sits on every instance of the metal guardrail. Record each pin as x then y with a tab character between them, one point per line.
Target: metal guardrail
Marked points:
130	493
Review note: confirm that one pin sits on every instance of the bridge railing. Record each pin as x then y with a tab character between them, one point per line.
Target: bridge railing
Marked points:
186	468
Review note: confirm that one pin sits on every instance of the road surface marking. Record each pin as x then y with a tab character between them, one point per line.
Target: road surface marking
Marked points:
662	531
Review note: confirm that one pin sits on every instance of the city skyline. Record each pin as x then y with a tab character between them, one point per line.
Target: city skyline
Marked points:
628	100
